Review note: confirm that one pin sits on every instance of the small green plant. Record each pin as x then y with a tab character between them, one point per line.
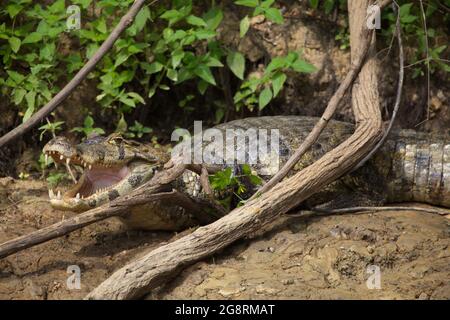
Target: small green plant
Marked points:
88	127
42	164
260	7
138	130
23	175
50	127
413	27
271	82
55	178
225	180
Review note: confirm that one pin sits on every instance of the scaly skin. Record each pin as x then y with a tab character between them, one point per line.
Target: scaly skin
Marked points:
411	166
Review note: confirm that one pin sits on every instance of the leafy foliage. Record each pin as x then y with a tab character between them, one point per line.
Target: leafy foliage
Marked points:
157	52
412	20
271	82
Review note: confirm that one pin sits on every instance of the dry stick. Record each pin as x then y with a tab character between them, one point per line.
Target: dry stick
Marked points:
441	212
398	97
126	20
428	60
156	267
144	194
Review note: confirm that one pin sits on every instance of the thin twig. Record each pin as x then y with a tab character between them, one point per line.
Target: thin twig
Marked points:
317	211
427	60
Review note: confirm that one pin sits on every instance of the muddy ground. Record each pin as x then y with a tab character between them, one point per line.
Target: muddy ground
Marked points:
302	258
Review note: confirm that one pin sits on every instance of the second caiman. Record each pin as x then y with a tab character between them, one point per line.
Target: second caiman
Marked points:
410	167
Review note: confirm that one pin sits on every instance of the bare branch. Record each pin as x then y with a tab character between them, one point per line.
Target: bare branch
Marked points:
398	98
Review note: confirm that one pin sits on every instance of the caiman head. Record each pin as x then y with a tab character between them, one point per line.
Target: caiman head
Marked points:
112	166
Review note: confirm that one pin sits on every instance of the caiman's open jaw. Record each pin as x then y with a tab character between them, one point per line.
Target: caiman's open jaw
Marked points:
96	182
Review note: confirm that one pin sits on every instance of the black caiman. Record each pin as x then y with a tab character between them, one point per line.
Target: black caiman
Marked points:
410	167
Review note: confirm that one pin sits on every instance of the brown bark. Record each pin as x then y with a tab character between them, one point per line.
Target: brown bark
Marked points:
154	268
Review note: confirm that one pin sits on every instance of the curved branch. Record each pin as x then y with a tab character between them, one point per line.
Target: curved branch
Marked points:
157	266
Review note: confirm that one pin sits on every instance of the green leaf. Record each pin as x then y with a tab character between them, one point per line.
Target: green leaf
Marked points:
88	122
136	96
30	97
203	35
122	125
48	52
213	18
213	62
172	75
13	9
243	26
221	180
177	56
303	66
101	26
248	3
32	38
141	18
274	15
267	3
19	93
202	86
205	73
236	62
15	76
314	3
121	58
196	21
328	6
154	67
277	82
264	98
15	44
276	63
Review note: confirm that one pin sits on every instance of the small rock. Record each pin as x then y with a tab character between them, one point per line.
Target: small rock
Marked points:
287	282
423	296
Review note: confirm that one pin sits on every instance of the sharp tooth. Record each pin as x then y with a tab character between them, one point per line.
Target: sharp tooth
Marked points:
67	160
78	196
84	164
51	195
90	167
46	159
56	165
59	195
61	157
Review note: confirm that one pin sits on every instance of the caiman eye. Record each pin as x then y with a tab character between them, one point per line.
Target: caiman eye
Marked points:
115	139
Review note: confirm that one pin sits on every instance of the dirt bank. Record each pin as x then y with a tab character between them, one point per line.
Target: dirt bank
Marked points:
314	258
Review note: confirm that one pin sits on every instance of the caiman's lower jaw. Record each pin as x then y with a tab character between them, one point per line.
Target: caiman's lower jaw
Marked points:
92	189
